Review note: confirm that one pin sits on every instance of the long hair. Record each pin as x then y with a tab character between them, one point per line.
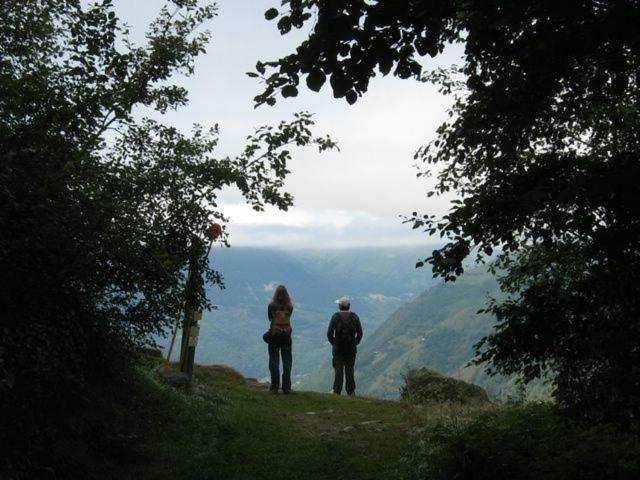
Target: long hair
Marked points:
281	297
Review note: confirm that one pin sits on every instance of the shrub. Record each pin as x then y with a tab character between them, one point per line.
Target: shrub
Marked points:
526	443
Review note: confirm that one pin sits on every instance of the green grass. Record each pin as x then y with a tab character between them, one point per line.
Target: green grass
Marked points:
225	427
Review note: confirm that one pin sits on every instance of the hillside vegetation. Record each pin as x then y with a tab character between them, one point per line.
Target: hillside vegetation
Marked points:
224	426
437	330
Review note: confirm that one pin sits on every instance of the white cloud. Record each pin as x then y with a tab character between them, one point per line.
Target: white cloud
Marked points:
376	297
309	228
242	214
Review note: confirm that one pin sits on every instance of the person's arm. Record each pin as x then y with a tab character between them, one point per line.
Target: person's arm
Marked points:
331	329
270	312
358	329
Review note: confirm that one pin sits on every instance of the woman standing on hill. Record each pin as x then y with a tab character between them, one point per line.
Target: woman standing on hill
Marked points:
278	337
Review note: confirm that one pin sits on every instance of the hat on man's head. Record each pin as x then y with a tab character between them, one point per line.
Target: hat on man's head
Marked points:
343	301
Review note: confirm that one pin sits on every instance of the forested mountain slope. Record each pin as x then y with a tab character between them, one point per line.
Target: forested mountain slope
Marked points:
436	330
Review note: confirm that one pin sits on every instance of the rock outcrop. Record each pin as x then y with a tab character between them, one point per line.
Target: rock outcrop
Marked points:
423	385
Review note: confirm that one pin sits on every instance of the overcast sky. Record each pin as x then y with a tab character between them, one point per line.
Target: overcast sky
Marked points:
348	198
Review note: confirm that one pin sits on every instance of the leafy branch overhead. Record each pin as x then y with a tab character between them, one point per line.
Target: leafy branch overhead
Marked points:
350	43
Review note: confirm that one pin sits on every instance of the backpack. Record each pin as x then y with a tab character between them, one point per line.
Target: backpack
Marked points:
281	321
345	336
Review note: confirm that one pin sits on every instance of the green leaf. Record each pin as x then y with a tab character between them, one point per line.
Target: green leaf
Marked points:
271	14
289	91
316	79
284	25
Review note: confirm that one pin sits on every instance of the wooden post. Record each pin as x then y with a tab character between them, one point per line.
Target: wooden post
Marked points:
187	353
190	328
192	342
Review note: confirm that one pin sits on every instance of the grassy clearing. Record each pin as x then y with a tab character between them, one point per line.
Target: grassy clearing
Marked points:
225	427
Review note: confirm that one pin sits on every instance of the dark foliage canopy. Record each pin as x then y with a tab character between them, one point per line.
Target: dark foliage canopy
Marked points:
101	207
542	148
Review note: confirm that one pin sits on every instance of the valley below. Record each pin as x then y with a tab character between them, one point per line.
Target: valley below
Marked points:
409	318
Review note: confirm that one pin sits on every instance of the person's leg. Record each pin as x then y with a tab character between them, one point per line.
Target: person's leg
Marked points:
338	367
349	367
274	366
287	361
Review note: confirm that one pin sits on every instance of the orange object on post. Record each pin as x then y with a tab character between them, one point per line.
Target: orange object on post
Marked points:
214	231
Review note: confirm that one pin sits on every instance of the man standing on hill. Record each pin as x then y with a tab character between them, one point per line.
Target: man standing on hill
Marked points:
344	334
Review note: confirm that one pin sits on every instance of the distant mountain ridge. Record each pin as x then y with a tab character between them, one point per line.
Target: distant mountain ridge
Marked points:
437	329
410	320
378	280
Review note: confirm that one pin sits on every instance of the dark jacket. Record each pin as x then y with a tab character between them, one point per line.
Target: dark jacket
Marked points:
341	316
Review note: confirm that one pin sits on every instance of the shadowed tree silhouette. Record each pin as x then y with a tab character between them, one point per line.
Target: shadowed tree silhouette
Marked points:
98	202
